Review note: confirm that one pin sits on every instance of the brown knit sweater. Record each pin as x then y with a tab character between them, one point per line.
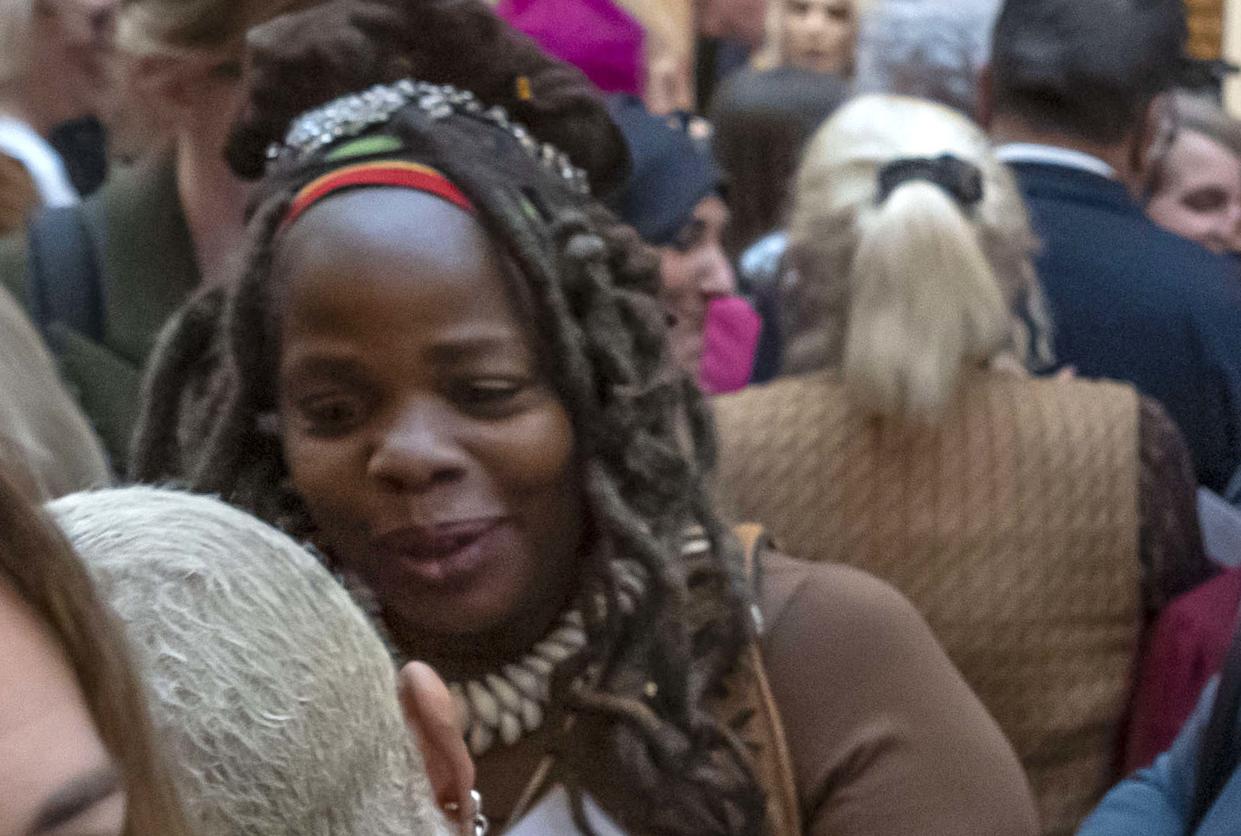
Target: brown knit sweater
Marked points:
1013	526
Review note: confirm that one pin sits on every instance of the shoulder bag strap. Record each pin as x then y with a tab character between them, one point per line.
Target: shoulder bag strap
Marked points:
774	763
64	284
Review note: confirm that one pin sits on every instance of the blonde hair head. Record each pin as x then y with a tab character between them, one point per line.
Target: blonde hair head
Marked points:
179	27
901	294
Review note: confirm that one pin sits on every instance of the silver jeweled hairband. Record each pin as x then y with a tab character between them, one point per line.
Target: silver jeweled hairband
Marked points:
354	114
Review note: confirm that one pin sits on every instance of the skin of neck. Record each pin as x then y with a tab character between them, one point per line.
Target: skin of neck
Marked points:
460	658
1126	157
473	656
23	99
214	202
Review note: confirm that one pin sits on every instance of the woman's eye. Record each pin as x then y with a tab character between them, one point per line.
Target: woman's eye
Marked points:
226	71
690	236
484	395
1205	200
330	415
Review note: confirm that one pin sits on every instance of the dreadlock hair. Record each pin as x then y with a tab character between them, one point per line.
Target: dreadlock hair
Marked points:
588	285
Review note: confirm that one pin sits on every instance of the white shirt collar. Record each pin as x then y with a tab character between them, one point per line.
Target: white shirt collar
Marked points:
45	167
1031	152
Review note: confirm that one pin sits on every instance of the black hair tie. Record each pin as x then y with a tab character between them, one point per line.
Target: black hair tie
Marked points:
961	179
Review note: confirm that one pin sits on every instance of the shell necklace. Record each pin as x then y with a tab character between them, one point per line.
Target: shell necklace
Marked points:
503	707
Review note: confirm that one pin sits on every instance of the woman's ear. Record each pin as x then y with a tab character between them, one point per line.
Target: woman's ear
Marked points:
431	714
1154	140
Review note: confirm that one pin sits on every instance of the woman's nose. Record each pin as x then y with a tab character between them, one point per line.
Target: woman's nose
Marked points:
717	278
417	450
816	21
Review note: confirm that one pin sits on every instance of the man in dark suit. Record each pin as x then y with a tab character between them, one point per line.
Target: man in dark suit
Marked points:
1075	98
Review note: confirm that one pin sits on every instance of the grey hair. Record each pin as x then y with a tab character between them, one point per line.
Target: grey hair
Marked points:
270	686
931	49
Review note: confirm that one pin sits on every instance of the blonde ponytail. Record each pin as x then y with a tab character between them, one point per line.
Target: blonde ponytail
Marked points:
911	256
923	302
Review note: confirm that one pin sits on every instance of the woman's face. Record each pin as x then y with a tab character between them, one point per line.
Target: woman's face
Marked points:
1200	197
819	35
693	272
435	459
72	46
56	778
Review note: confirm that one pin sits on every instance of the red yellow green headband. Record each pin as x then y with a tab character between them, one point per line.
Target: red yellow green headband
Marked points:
405	175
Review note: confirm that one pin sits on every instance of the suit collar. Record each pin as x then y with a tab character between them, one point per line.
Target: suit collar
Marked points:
1057	182
1032	152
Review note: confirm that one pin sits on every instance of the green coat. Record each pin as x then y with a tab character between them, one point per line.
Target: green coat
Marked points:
146	258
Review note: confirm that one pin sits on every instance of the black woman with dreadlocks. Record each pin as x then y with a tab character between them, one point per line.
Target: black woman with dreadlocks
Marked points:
445	366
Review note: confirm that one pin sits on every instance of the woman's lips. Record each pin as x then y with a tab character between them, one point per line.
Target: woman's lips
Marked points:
448	555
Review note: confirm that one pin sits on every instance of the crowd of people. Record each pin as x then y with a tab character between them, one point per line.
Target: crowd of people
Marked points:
608	416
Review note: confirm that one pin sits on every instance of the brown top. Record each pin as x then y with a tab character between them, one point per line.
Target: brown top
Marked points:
885	736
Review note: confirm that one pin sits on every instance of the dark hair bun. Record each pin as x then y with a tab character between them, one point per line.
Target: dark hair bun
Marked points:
302	60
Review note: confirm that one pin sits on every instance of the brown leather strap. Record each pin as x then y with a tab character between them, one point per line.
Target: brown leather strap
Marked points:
772	762
754	539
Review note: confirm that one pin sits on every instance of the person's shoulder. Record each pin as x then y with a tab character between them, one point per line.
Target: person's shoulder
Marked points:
1205	286
791	386
1180	269
1194	261
1169	267
1070	389
832	599
884	735
841	634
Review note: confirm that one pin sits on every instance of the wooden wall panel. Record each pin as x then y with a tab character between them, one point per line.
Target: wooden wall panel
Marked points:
1206	28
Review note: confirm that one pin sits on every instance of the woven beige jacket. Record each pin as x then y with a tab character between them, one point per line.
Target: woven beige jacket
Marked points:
1015	526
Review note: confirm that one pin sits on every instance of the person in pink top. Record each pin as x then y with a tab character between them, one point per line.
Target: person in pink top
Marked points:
596	36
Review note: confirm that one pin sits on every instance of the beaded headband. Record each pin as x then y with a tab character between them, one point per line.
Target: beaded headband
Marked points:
397	173
353	115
